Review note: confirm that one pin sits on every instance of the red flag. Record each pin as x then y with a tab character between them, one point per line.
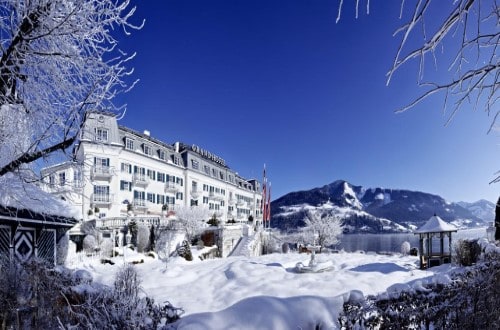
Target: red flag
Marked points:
268	208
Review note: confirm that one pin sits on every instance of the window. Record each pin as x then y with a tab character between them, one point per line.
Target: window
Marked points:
205	187
147	150
231	179
160	199
139	195
126	168
221	175
101	190
77	175
52	179
151	174
179	196
205	200
101	162
194	202
150	197
214	172
161	154
206	168
194	185
160	177
177	160
62	178
125	185
195	164
101	134
129	144
179	181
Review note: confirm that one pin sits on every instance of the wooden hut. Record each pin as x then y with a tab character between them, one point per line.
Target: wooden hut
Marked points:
435	242
31	221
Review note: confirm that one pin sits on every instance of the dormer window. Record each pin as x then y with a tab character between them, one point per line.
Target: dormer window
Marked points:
129	144
101	134
147	150
161	154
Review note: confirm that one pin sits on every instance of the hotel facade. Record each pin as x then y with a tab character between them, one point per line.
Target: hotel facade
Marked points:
118	170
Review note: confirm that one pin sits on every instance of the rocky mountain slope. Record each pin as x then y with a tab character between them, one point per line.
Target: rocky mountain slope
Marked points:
373	209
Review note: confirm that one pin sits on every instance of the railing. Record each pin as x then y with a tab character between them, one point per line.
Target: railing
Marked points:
140	178
102	171
171	186
102	198
120	222
139	203
195	193
215	195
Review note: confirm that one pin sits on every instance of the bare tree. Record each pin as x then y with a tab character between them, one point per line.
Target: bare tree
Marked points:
192	219
473	67
58	59
322	228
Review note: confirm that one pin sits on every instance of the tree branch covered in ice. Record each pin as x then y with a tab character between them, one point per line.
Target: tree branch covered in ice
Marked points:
469	35
323	229
58	59
192	219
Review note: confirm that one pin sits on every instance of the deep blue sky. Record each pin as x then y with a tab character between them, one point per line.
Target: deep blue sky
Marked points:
279	82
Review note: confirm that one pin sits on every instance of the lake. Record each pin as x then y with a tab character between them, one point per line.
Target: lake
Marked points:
392	242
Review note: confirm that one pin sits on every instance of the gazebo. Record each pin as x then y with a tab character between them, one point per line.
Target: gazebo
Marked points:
432	248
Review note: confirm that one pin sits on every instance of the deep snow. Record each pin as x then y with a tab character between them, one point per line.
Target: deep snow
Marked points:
266	292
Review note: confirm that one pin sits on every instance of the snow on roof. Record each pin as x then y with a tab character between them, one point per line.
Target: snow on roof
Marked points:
15	193
436	225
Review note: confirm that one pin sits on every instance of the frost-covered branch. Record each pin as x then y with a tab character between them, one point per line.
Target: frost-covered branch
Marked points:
59	59
472	27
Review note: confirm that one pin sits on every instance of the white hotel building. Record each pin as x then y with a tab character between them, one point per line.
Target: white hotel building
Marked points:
118	169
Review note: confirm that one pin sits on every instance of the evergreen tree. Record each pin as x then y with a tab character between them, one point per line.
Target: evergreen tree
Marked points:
497	221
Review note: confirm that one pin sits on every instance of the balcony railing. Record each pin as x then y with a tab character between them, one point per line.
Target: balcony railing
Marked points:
139	203
102	199
240	202
102	172
231	201
215	196
195	193
171	187
140	179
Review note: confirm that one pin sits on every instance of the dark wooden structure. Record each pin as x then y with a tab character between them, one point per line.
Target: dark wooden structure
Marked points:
435	242
25	234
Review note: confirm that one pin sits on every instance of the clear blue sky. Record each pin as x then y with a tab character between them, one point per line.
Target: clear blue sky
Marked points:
279	82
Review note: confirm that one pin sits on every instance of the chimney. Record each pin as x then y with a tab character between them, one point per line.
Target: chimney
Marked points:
176	146
146	132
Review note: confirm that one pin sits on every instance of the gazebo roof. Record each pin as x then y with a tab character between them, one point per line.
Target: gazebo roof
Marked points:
435	225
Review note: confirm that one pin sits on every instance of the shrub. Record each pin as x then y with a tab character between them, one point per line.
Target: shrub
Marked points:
185	251
142	237
467	252
469	301
405	248
90	244
62	249
35	296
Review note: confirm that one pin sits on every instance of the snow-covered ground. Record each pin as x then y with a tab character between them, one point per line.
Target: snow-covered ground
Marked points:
265	292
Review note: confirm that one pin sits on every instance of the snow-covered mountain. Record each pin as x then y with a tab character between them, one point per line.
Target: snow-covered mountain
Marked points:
483	209
370	209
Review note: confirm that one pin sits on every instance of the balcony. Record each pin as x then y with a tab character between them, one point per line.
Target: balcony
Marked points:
195	193
240	203
216	196
231	201
102	172
171	187
140	179
139	204
102	199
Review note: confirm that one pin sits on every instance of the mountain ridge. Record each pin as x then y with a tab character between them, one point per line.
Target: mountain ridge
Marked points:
376	209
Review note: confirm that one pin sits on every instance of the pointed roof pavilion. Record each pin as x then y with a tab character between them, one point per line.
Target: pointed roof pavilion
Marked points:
435	228
436	225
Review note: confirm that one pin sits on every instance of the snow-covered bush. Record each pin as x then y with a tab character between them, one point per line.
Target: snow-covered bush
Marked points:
36	296
467	252
90	244
127	282
185	251
107	248
142	238
62	249
405	248
322	228
469	300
